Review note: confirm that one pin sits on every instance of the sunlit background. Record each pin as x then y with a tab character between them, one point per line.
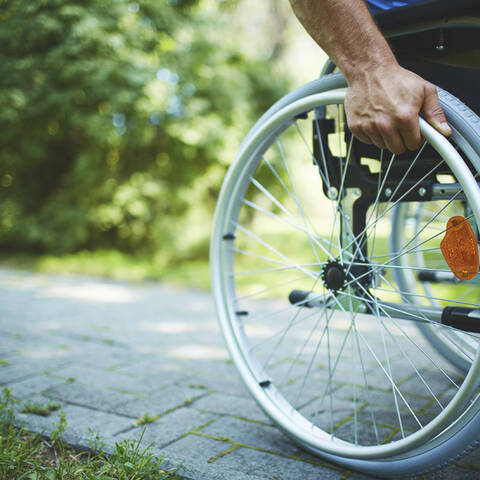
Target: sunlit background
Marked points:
118	120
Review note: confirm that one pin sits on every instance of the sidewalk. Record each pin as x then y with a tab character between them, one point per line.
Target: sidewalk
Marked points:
112	352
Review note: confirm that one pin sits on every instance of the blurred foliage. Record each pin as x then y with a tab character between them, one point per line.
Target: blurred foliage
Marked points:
118	120
111	264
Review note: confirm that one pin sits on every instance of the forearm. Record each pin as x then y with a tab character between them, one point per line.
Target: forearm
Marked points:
345	30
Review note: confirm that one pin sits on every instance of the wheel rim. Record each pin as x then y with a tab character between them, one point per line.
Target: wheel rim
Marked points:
272	396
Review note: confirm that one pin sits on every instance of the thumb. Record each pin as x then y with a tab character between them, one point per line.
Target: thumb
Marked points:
432	111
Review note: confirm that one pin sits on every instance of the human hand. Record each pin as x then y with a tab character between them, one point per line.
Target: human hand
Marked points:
382	107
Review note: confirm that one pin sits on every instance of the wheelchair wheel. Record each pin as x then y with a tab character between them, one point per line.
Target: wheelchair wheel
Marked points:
317	322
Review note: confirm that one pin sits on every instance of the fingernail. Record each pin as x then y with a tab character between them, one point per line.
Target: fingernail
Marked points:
443	127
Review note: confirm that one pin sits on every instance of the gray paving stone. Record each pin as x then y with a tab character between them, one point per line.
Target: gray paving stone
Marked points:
453	473
104	379
136	349
21	368
169	428
381	398
37	423
158	374
96	355
29	387
89	395
267	466
232	405
159	403
259	436
194	453
147	364
230	385
224	368
366	432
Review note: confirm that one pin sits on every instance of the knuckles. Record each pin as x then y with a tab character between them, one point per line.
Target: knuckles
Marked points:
406	116
430	89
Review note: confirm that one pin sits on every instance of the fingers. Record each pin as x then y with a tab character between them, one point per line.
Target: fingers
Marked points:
381	133
433	112
401	132
368	135
409	129
388	118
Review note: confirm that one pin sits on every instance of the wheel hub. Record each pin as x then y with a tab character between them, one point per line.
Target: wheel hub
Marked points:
333	276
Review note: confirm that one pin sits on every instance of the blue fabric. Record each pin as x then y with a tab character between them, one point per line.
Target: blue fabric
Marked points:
376	6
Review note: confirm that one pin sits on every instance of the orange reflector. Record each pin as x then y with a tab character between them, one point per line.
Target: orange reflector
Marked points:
459	248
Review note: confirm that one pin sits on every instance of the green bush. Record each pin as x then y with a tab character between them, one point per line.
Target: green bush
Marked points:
117	121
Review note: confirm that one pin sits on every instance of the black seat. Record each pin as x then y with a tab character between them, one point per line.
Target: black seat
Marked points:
439	40
427	11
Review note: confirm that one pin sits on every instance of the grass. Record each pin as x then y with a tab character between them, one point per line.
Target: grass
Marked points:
145	419
112	264
24	455
42	409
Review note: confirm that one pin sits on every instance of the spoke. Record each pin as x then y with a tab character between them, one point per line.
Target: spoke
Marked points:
468	292
375	206
331	372
406	295
380	364
392	205
409	361
389	367
313	238
290	194
379	266
413	366
460	349
394	321
445	328
330	375
299	354
277	176
325	180
353	325
289	326
339	213
386	374
269	289
309	368
402	267
417	234
279	332
405	175
271	260
272	198
297	201
420	250
354	387
275	269
404	252
291	307
370	403
274	250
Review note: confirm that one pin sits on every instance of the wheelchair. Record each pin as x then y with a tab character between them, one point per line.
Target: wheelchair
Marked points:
333	286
